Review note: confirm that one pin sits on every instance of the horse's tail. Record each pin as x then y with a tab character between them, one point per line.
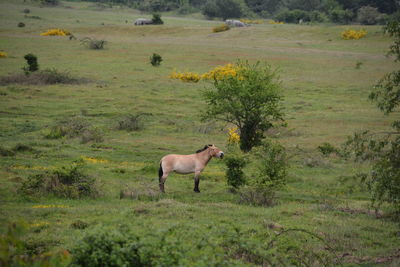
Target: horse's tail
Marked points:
160	172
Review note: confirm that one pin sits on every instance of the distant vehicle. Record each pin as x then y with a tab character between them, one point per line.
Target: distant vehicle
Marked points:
142	21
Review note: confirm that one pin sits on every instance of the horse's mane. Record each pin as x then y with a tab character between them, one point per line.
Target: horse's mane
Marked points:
204	148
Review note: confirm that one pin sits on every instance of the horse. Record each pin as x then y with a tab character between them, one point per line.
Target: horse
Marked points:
184	164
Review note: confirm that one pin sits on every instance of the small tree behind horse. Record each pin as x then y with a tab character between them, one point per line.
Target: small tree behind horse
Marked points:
184	164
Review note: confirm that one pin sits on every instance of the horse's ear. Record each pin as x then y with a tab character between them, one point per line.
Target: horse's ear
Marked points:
209	145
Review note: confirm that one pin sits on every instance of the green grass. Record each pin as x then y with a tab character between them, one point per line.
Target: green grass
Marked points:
325	101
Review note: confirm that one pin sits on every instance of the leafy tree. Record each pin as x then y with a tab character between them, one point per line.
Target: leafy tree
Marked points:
383	148
250	100
368	15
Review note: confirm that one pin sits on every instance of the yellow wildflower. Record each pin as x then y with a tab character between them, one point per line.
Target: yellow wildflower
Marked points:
353	34
234	137
249	21
94	160
3	54
56	32
221	28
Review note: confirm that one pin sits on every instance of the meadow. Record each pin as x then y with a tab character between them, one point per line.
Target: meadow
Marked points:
325	79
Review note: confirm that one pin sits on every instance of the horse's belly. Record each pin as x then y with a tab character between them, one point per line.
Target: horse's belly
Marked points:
183	168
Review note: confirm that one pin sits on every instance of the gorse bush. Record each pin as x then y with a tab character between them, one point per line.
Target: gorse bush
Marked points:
93	43
56	32
67	182
221	28
353	34
155	60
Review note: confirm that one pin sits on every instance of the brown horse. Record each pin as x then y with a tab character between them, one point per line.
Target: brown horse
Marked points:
184	164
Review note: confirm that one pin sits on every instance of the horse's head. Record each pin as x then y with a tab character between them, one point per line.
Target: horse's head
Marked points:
215	151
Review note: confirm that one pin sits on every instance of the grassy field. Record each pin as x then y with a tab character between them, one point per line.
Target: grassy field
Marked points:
325	101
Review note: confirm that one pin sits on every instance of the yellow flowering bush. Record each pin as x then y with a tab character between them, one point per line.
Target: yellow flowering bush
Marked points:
221	28
353	34
56	32
217	73
2	54
275	22
249	21
234	137
186	76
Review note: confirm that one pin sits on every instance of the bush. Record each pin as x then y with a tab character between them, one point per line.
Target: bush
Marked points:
14	250
235	176
257	196
272	167
93	43
221	28
26	11
326	149
21	24
292	16
157	19
67	182
155	60
368	15
31	60
74	127
107	248
6	152
132	122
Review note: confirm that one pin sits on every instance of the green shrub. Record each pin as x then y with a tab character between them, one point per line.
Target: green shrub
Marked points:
257	196
155	60
21	24
67	182
92	134
93	43
31	60
326	149
157	19
49	2
107	248
132	122
15	252
78	224
235	162
272	167
76	126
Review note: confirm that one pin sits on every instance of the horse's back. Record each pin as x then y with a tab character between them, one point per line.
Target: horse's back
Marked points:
178	163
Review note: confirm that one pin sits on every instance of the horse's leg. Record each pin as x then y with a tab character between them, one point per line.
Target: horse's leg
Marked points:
196	182
162	176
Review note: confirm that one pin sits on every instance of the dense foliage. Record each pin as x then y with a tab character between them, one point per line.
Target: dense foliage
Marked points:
250	100
291	11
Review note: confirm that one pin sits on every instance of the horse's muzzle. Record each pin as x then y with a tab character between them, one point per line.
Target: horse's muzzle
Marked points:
221	156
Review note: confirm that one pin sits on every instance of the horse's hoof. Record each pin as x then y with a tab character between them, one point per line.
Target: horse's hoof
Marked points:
196	191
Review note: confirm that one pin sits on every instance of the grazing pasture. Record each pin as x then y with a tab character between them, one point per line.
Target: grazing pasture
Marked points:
43	127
